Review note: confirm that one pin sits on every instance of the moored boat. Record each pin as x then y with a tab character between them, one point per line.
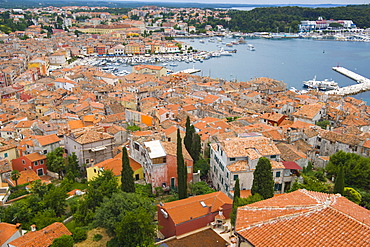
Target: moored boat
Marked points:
321	85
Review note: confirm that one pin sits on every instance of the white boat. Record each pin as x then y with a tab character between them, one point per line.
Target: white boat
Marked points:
173	64
251	47
201	41
321	85
224	53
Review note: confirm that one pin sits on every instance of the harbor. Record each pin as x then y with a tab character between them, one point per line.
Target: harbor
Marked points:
362	86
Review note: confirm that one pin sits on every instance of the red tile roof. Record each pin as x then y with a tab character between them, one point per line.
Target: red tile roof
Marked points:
46	140
191	208
304	218
6	232
43	237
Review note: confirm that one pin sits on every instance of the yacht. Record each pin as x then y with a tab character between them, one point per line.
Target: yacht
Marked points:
251	47
321	85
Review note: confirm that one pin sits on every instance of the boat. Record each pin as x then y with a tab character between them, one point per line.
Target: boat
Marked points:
201	41
224	53
173	64
251	47
229	44
321	85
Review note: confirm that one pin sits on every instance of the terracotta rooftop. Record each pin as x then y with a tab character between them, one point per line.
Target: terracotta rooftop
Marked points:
48	139
253	147
191	208
6	232
35	156
43	237
304	218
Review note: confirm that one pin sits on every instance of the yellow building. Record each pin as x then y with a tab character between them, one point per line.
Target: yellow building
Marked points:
42	64
115	164
8	151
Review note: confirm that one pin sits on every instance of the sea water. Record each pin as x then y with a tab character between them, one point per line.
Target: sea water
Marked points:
289	60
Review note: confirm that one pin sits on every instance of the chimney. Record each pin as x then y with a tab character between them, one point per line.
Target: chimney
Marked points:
209	209
18	225
220	212
33	228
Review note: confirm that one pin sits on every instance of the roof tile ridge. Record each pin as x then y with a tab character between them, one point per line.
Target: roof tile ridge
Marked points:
306	192
188	202
347	215
285	217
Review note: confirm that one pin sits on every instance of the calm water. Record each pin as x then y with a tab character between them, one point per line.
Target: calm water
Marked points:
288	60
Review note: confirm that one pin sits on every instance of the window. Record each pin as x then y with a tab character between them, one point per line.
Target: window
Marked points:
41	162
35	163
232	159
136	146
40	172
236	177
273	156
278	174
23	162
87	161
5	155
277	187
75	147
45	151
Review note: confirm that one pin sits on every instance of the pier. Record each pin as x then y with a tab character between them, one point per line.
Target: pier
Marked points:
362	86
188	71
350	74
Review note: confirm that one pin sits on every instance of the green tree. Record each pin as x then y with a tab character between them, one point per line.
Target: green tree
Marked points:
339	181
356	169
236	191
63	241
55	161
113	210
15	175
310	183
73	166
196	147
352	195
104	185
45	218
55	199
127	174
127	229
200	188
323	124
79	234
181	169
188	135
263	181
202	165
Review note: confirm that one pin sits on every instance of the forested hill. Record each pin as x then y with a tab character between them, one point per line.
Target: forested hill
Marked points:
282	19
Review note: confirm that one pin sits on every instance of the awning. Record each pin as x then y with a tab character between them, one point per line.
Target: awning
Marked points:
291	165
96	149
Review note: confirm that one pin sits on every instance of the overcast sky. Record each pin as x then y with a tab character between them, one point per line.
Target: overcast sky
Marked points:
292	2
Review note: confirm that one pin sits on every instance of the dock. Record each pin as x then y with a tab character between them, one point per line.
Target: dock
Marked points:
362	86
350	74
188	71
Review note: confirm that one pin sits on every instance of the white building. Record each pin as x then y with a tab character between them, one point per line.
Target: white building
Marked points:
238	157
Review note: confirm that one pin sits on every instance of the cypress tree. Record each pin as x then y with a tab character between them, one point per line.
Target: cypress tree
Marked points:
127	174
339	181
188	139
181	169
236	192
263	181
196	147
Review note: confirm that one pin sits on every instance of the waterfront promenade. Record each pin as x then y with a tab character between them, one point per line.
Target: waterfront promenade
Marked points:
362	86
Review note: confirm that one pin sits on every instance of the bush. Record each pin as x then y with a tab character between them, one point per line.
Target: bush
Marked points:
97	237
63	241
18	193
79	234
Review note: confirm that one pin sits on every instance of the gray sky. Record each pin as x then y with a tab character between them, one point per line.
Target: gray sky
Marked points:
292	2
